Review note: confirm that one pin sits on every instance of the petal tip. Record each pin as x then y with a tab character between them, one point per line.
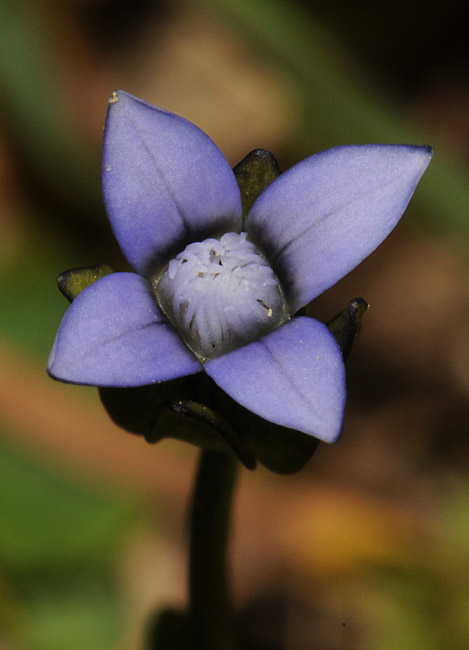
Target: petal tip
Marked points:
427	155
425	152
333	436
119	98
114	97
428	149
420	155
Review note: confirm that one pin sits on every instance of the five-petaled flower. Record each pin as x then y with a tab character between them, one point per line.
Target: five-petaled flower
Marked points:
214	293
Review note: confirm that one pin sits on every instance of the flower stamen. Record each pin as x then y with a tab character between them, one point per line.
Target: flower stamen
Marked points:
220	295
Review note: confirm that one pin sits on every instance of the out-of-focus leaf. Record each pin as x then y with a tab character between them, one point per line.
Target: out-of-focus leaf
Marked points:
74	613
33	107
57	549
40	512
31	305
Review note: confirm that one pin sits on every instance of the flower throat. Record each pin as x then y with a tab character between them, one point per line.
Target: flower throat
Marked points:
221	294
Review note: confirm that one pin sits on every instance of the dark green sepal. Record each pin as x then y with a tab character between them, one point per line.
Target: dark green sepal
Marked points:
72	282
190	408
279	449
147	411
165	410
345	326
217	422
284	450
254	173
138	408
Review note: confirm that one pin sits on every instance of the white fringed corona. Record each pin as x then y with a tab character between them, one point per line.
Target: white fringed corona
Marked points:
220	295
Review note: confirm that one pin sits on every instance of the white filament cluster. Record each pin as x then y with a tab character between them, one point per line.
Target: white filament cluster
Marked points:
221	294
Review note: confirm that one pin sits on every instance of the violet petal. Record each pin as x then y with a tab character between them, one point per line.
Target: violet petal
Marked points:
165	183
114	334
322	217
294	377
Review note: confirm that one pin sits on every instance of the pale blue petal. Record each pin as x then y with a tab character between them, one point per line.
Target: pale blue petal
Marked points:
294	377
114	334
165	183
322	217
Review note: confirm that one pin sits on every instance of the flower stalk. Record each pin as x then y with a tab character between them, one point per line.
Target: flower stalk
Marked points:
210	615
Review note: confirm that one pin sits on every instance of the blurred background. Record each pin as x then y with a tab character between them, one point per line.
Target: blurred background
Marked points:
368	546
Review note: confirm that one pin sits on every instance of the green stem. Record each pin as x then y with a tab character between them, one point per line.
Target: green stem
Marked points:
210	608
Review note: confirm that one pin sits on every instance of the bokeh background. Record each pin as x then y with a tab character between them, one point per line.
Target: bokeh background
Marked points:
368	546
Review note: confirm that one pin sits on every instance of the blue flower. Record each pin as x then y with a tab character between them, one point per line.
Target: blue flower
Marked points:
213	293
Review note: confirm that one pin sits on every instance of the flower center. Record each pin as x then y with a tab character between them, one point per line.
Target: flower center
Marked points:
220	295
